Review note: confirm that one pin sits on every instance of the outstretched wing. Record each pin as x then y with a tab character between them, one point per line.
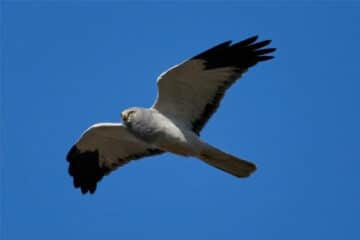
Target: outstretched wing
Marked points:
101	149
189	93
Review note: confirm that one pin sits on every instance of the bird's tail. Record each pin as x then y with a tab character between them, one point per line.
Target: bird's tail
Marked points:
226	162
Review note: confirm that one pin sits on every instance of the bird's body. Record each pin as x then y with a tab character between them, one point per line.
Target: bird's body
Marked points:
189	93
160	131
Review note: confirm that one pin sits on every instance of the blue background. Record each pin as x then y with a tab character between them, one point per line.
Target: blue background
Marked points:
66	66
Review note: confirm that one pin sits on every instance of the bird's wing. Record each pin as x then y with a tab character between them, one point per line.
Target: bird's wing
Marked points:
189	93
101	149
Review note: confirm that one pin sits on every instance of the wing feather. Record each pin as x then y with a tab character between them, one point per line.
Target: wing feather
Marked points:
102	149
190	93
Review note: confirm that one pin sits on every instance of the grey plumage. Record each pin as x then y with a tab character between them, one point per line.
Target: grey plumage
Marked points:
188	95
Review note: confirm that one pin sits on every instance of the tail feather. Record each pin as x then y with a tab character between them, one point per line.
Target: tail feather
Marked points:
226	162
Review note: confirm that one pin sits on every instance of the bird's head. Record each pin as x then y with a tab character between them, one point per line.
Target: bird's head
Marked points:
132	115
128	115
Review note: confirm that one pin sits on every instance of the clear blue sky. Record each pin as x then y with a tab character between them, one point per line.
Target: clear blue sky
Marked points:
66	66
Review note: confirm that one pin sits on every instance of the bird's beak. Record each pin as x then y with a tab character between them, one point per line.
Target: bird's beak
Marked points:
124	116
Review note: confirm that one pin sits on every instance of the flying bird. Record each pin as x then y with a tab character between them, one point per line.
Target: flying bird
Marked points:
188	95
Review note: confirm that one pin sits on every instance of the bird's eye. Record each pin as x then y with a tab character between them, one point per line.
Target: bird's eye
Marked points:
130	114
127	115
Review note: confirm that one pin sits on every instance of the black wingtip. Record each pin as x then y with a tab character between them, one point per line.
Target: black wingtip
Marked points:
241	55
85	169
265	58
247	41
259	45
214	49
265	51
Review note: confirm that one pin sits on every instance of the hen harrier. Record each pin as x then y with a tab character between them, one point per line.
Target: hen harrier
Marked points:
188	95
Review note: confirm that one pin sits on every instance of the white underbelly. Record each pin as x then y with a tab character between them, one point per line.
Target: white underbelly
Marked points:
181	143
